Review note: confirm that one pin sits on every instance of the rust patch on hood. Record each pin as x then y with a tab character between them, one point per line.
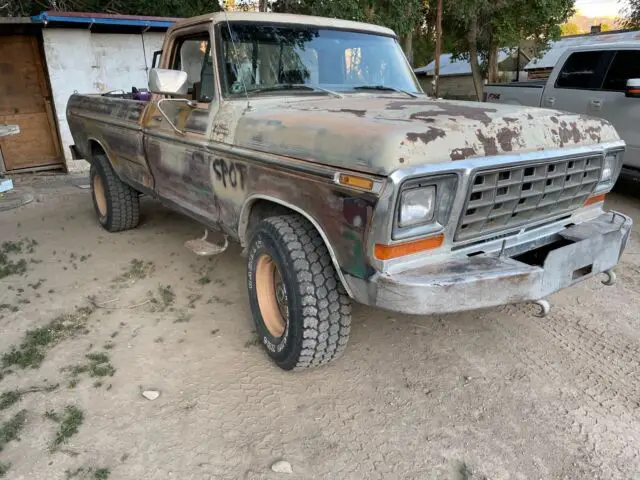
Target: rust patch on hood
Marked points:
419	116
402	104
462	153
505	138
594	133
427	137
357	113
569	132
479	114
488	143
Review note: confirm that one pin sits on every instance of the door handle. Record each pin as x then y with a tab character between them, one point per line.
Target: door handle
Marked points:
551	101
157	118
596	104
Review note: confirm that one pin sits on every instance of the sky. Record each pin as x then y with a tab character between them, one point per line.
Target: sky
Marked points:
599	8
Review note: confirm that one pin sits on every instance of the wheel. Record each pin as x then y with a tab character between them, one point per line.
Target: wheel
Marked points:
301	311
117	205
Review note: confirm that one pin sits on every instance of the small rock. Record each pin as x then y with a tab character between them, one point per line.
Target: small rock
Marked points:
282	466
151	394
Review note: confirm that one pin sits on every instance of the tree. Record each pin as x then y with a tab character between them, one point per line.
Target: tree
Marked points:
402	16
631	15
484	26
570	28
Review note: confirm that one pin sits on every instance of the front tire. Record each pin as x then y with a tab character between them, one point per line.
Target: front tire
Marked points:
301	311
117	205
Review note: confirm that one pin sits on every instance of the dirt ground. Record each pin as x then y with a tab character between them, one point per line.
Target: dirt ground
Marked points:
493	394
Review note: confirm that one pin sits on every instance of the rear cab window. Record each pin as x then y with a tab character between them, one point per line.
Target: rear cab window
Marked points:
625	65
584	70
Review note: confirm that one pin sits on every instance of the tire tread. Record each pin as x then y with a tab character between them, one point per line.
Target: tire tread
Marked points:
325	329
123	203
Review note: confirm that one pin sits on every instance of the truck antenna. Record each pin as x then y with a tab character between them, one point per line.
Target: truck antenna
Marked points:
235	52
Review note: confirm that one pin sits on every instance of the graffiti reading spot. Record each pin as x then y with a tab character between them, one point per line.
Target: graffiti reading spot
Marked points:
230	174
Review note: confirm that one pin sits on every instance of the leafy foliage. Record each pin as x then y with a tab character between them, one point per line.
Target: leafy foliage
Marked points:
483	26
631	14
402	16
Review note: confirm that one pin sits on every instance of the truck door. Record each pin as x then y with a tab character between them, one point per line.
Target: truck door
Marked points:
177	150
574	86
612	103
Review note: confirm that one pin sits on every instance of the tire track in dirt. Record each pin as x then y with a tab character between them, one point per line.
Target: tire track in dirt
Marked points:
605	365
595	373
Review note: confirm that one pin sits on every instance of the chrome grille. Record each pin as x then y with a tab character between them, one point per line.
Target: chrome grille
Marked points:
503	198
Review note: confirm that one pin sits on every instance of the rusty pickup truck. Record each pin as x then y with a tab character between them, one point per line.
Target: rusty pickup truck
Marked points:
309	141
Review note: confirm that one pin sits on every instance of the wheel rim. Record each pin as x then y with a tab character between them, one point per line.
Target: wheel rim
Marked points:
98	192
272	296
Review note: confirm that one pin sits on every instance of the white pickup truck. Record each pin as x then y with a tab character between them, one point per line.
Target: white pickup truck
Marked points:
596	80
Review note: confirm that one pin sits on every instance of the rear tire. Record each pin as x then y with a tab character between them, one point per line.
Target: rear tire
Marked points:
117	205
301	311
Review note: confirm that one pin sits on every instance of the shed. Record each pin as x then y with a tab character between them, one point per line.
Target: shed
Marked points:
45	58
456	80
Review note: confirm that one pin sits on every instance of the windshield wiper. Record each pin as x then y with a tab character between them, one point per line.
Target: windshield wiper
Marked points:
294	86
383	88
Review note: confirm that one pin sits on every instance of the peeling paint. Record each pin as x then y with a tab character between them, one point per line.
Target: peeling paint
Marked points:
427	137
357	113
594	133
505	138
567	133
462	153
488	143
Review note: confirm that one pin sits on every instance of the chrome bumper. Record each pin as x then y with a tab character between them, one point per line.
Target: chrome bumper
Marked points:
589	249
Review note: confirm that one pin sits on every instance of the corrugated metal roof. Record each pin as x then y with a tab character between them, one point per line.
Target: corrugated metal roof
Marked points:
551	56
103	19
450	67
14	20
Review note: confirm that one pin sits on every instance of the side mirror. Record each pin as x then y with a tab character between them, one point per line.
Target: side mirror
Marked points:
156	56
167	82
633	88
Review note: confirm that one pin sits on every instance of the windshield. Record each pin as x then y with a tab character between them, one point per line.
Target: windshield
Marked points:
262	58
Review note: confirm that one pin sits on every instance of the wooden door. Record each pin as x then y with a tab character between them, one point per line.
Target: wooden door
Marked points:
25	101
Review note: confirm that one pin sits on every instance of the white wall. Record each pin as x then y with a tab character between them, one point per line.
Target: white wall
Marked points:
78	60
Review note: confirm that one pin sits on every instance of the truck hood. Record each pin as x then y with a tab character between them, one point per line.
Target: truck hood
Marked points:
381	134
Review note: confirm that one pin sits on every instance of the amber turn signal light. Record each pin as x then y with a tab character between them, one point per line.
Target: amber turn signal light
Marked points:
387	252
594	199
354	181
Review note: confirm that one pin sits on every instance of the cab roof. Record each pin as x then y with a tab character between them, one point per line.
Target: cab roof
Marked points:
283	18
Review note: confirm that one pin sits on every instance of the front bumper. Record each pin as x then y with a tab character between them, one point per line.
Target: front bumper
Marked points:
482	281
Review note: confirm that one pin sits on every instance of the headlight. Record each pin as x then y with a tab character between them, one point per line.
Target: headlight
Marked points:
610	171
424	205
417	206
608	168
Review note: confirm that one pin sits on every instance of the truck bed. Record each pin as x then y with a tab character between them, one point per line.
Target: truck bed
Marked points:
527	93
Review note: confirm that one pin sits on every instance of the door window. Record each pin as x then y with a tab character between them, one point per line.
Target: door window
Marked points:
584	70
626	65
193	55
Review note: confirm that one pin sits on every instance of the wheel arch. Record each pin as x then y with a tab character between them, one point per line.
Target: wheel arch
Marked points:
260	199
95	146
